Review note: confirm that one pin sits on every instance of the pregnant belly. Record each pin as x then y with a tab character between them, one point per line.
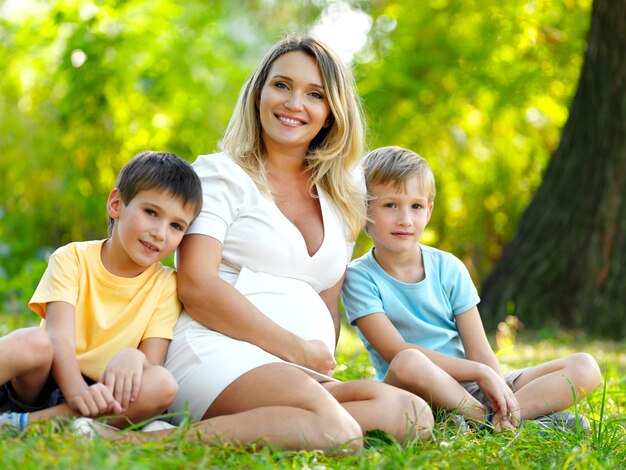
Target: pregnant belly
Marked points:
291	303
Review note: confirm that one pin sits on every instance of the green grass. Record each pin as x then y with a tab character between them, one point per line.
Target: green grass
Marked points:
51	445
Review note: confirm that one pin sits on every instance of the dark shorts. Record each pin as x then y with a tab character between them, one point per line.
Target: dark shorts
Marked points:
50	396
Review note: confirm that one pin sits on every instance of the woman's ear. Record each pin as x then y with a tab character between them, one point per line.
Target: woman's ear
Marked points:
114	203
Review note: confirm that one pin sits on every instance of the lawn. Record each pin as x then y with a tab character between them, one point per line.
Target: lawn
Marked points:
51	445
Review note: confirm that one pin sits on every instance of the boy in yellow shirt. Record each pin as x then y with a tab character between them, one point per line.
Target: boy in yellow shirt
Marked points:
108	307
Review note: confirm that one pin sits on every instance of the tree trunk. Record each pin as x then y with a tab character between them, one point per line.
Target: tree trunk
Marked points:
567	261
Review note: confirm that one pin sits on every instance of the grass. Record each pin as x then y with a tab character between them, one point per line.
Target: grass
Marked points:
51	445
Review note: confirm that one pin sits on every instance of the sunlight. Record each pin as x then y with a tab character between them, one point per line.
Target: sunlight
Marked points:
343	28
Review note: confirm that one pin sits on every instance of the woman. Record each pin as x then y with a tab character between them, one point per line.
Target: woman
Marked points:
261	269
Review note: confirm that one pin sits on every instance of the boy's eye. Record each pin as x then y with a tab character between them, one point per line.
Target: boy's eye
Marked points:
150	212
390	205
417	206
178	227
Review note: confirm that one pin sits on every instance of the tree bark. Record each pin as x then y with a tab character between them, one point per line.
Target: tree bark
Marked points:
567	262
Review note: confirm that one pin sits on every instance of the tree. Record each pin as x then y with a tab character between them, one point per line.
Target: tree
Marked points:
567	261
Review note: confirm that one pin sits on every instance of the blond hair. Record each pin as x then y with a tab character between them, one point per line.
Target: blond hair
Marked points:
335	150
396	165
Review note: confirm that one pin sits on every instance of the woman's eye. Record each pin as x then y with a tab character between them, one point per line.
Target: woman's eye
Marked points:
281	85
317	95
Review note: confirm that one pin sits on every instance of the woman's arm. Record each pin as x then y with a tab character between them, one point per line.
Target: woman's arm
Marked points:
216	304
330	297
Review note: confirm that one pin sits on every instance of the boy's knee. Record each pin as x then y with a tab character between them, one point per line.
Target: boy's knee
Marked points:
407	367
163	388
589	370
37	348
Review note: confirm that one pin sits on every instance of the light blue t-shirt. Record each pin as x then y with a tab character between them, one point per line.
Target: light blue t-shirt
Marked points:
423	312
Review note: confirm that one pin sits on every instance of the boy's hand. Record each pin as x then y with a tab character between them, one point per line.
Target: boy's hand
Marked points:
501	397
94	400
123	376
319	358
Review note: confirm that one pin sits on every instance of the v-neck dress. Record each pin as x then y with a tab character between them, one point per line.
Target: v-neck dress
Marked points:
277	275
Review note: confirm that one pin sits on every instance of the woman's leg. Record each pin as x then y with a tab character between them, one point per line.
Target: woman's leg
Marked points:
280	405
411	370
376	405
549	387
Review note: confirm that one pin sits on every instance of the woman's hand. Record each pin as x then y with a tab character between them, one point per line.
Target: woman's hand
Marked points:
316	356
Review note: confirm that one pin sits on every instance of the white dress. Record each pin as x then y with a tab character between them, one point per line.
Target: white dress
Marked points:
278	277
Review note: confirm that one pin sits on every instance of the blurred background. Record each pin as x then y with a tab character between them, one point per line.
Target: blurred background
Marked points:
481	89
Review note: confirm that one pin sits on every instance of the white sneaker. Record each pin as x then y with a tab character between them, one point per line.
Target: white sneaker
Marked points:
157	425
89	428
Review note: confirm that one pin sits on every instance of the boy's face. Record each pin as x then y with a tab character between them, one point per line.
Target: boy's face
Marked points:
146	230
398	218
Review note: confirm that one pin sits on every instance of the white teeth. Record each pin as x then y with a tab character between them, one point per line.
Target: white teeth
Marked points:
287	120
150	247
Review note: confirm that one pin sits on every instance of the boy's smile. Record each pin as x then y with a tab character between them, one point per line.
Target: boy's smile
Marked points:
145	231
398	217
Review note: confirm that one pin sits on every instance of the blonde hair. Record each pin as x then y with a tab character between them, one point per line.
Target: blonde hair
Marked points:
335	150
396	165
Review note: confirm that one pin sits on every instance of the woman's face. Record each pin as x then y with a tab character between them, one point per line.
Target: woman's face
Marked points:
293	107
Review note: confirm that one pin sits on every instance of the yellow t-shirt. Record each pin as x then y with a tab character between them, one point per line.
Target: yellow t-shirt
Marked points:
111	312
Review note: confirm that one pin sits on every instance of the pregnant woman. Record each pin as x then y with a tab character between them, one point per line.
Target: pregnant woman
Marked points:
261	268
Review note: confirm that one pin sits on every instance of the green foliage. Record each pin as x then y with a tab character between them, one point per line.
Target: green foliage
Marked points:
481	89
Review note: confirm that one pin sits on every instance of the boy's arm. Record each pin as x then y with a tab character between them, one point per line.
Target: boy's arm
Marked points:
385	338
474	338
477	348
124	373
89	401
155	350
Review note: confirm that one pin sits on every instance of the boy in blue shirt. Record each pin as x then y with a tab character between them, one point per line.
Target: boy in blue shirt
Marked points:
415	309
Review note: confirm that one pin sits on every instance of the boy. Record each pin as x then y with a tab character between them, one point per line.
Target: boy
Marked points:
415	310
108	307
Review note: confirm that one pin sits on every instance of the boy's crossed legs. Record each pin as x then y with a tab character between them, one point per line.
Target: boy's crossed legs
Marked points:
24	373
539	390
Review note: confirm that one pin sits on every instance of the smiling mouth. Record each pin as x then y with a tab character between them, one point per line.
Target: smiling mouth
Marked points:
149	246
290	121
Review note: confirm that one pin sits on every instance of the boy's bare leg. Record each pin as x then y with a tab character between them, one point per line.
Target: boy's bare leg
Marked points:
377	405
547	388
157	393
26	356
413	371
